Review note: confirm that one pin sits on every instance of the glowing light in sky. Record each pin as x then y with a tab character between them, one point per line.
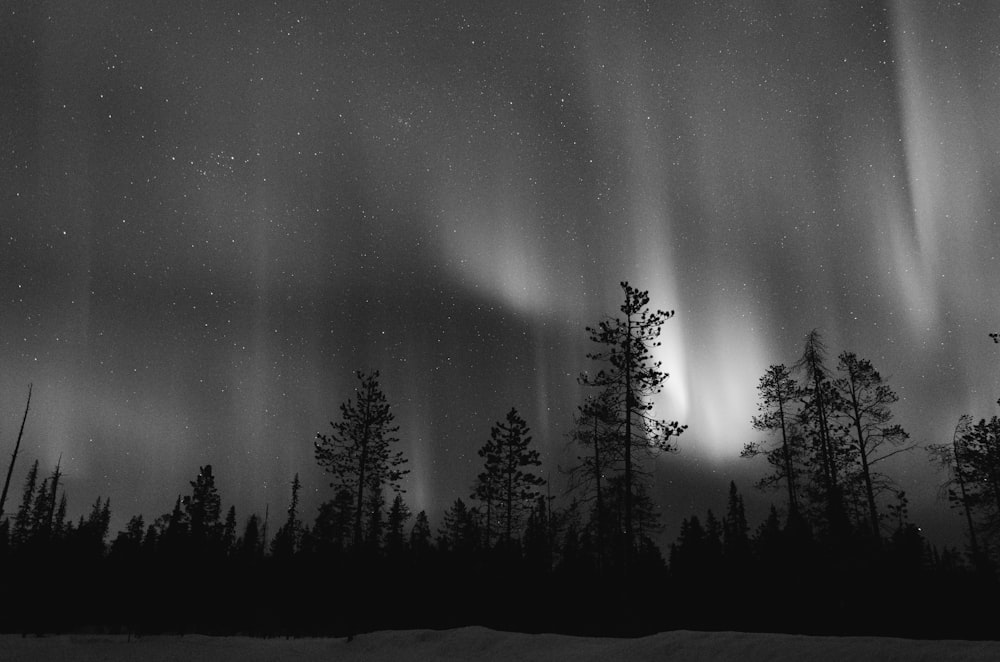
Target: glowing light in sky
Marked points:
214	233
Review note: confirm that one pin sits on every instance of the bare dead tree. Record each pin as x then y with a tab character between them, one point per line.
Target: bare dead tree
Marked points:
13	457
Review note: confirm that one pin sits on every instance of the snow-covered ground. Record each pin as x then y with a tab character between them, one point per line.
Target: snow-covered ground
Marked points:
484	645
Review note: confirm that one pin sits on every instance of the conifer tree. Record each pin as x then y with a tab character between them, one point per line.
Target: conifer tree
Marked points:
507	468
229	531
420	535
358	451
867	400
22	520
632	379
459	532
819	406
286	539
778	392
597	430
399	514
954	457
735	530
203	507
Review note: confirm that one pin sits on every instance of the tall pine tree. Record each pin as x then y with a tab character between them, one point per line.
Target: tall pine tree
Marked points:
507	470
359	450
631	379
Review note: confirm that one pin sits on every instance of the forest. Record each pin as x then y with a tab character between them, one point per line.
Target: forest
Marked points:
837	553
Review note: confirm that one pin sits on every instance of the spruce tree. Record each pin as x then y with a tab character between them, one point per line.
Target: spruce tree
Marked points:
286	539
395	538
203	508
420	535
22	520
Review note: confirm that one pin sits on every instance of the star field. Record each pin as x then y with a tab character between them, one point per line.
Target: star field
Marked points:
211	215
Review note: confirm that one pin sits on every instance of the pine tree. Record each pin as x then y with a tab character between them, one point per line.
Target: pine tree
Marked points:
597	431
508	458
954	458
778	393
631	380
867	400
358	452
375	526
819	406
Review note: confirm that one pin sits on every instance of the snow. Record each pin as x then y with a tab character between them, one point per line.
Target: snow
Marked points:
483	645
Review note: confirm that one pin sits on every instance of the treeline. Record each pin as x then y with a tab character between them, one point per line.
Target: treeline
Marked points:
837	554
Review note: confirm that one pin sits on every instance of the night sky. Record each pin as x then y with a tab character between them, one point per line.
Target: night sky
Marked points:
211	214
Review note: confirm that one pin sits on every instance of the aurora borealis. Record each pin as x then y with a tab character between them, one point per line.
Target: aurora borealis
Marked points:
211	214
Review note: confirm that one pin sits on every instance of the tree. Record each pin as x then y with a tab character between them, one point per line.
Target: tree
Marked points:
735	530
953	457
459	533
420	535
13	456
631	380
981	455
358	452
251	544
778	393
819	404
334	523
867	400
286	539
598	431
229	531
395	538
22	520
203	507
508	458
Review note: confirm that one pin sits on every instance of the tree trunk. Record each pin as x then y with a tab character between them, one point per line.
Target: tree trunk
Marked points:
628	442
600	503
965	499
13	457
863	450
793	506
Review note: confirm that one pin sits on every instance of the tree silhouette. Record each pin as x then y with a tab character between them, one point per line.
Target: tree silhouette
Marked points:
631	379
598	430
287	538
358	451
395	527
506	469
778	393
22	520
203	508
13	456
819	401
867	400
